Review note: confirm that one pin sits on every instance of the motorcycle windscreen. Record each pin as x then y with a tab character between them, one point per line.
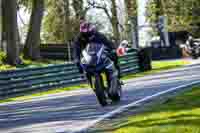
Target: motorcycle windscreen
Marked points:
92	53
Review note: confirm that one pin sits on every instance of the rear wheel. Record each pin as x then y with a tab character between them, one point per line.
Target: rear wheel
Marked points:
115	90
194	54
100	91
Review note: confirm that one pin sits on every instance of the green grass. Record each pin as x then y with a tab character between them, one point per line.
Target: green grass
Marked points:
3	66
179	115
44	93
157	67
26	63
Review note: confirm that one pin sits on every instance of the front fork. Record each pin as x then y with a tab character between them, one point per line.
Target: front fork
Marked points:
91	79
111	75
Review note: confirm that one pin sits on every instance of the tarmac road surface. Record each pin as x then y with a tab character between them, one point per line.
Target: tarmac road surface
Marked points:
70	111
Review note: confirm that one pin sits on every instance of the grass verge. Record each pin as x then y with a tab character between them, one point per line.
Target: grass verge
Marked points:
26	63
180	114
158	66
48	92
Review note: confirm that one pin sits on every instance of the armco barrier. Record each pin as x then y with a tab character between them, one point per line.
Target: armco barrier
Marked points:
56	51
29	80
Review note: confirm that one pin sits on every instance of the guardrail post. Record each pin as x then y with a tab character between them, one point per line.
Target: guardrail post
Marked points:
145	59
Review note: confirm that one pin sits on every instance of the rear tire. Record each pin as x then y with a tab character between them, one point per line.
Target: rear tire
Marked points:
194	55
115	96
100	91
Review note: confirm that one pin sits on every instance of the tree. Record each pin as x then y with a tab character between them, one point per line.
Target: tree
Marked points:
10	35
131	11
182	14
131	7
31	48
0	24
57	23
67	28
66	25
80	13
114	21
53	22
111	16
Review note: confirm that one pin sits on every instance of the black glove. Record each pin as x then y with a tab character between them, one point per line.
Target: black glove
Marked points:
79	68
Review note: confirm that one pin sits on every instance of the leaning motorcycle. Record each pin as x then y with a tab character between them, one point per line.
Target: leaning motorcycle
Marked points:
193	48
195	51
101	73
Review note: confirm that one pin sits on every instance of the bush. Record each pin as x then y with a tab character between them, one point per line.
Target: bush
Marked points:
2	57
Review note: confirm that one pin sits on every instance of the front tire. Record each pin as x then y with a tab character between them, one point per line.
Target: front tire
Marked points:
100	91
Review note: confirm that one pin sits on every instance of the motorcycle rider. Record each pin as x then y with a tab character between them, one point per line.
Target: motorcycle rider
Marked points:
193	47
190	41
89	34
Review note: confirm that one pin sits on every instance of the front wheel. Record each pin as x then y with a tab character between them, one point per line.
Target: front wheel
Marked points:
100	91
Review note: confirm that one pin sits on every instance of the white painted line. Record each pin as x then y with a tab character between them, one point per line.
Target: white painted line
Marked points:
123	108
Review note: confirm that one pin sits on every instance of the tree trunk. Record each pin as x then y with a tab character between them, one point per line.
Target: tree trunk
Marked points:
0	25
115	22
80	13
67	25
78	7
18	36
131	11
131	7
9	13
32	45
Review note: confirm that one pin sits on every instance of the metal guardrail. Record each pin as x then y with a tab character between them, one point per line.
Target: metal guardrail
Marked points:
29	80
57	51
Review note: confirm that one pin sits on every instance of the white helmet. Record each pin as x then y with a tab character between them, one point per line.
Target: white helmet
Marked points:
124	43
123	48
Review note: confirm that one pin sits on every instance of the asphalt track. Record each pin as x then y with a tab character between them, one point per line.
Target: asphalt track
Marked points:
77	110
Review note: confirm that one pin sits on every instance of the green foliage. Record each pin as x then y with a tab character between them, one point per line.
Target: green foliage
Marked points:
131	15
2	57
4	66
25	3
53	23
182	14
26	63
61	22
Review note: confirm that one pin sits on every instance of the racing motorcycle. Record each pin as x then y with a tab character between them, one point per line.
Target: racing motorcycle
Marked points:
101	73
193	48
